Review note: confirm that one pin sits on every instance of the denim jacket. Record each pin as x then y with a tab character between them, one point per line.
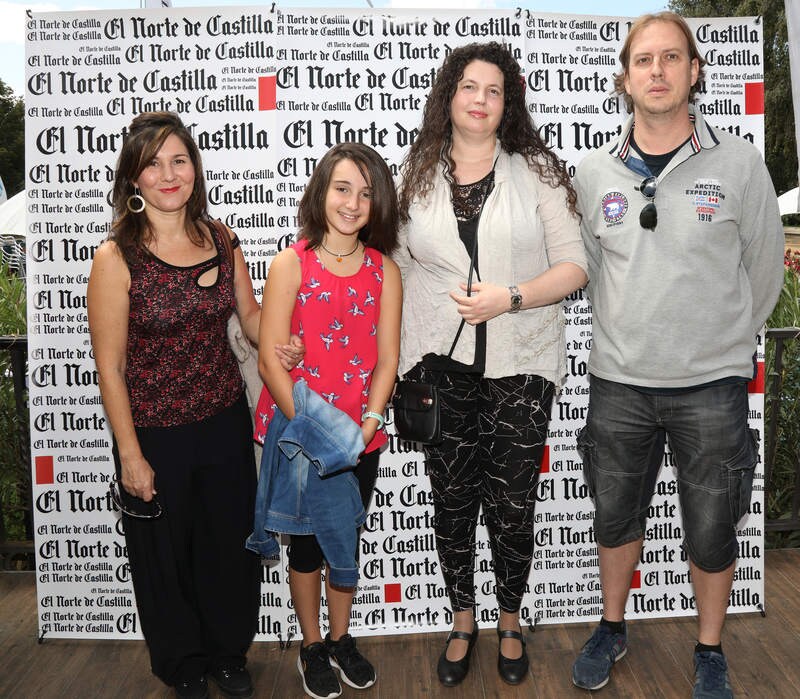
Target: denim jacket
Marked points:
324	500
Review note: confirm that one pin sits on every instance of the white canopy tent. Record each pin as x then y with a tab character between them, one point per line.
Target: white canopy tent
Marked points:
789	202
12	216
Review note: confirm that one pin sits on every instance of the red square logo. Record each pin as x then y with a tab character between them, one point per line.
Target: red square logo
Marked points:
636	580
44	470
545	468
267	92
754	98
757	384
391	592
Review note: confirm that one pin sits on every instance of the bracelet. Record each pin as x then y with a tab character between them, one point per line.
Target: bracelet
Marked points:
515	299
377	416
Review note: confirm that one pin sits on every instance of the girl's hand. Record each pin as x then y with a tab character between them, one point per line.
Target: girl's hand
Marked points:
486	302
368	430
292	354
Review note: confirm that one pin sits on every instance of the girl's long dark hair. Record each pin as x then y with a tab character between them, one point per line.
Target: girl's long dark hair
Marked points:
380	231
516	132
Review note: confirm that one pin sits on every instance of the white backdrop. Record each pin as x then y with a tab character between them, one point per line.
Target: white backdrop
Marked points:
265	95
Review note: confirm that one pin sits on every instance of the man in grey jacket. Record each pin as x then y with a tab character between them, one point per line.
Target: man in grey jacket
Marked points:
685	249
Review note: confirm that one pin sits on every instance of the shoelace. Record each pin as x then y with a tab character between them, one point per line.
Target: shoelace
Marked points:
347	650
600	642
316	662
715	675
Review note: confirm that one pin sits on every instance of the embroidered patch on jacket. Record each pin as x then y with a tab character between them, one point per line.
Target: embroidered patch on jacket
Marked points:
615	206
706	197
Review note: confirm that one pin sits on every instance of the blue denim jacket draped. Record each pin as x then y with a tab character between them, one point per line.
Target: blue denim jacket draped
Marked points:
307	486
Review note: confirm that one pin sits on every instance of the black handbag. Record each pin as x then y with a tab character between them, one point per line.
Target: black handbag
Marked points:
415	404
416	412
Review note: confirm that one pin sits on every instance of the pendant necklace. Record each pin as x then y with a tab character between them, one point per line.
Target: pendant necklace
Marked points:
340	255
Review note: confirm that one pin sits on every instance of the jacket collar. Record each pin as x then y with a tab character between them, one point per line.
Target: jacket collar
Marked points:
703	136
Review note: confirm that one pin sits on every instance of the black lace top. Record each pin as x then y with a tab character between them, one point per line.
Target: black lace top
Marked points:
468	198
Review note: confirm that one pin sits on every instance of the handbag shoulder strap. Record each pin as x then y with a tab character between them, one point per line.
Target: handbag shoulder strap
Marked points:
489	188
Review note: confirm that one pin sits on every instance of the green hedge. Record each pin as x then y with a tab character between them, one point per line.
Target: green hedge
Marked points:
14	471
787	443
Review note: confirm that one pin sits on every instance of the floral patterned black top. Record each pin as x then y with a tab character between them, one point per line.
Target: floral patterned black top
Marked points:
180	366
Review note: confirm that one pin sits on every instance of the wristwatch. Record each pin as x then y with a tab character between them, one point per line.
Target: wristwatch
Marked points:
516	298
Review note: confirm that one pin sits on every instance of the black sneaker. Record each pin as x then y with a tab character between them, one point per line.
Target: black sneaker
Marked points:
319	679
354	668
233	682
195	688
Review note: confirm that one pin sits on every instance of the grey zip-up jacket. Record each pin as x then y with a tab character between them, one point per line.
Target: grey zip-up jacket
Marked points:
680	305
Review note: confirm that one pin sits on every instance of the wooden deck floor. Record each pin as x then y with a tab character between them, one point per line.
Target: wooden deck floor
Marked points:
764	654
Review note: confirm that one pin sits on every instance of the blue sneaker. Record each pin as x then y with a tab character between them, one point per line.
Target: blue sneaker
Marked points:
598	655
711	676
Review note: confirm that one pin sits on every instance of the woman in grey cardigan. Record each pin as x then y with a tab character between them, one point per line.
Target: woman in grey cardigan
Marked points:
479	174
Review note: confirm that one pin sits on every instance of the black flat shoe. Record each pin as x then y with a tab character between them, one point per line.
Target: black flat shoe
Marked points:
453	672
233	681
512	671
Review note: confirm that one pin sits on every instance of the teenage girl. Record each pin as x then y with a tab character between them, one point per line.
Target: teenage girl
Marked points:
338	289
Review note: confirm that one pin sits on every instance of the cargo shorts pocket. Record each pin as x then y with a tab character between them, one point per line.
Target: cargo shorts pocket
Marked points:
740	470
588	452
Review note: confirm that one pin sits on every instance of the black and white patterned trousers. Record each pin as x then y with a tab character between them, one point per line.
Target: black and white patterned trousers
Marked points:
494	432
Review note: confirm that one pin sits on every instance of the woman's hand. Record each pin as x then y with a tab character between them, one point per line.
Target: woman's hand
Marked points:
292	354
138	478
486	302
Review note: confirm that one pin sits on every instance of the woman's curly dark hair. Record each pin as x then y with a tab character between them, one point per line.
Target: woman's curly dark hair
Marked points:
516	132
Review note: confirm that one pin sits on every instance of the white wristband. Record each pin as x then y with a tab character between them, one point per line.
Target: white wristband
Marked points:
377	416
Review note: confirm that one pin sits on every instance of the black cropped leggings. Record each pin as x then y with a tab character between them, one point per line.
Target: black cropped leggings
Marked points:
494	432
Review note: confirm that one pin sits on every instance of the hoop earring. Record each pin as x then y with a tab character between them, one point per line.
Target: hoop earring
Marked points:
136	203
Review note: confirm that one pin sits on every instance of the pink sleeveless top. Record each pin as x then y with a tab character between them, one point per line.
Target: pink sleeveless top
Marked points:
337	317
